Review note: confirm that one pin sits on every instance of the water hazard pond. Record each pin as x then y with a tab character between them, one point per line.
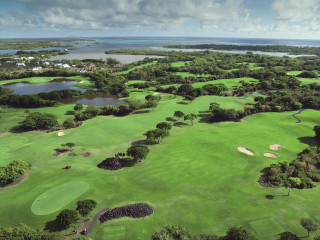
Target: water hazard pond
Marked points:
25	88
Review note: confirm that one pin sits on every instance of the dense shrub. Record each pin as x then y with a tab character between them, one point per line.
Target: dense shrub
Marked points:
303	172
25	232
69	123
137	210
13	172
307	74
38	120
138	152
84	207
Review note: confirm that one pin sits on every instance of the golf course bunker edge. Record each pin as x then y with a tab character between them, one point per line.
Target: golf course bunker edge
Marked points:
58	197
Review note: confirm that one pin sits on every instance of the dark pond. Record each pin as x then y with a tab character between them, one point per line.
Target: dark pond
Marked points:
101	100
24	88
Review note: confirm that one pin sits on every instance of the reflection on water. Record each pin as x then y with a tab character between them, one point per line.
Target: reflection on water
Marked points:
24	88
101	100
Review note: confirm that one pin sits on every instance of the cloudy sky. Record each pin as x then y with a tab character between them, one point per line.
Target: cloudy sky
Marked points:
199	18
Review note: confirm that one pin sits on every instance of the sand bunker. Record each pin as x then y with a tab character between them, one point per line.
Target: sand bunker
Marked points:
244	150
270	155
156	93
81	82
275	146
61	134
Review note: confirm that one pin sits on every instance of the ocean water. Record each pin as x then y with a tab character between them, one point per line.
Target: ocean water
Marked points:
96	49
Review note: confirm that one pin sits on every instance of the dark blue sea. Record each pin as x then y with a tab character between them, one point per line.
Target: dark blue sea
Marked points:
96	49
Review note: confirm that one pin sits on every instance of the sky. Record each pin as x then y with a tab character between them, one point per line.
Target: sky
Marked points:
287	19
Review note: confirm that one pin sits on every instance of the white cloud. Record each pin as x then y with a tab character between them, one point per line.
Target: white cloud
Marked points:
297	10
102	14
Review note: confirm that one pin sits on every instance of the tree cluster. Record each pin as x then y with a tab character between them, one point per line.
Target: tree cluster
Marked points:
37	120
303	172
12	172
179	233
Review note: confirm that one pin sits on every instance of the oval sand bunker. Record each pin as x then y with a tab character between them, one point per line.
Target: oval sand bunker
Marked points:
270	155
275	146
244	150
61	134
58	197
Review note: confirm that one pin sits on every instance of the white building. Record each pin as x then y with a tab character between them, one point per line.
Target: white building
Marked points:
37	68
20	64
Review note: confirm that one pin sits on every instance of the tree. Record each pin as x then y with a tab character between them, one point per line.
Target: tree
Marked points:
178	114
190	117
309	225
68	145
173	233
5	107
238	233
316	238
186	89
152	97
78	107
138	152
28	233
151	104
288	236
316	129
69	123
38	120
93	110
112	61
66	217
156	135
84	207
164	125
190	98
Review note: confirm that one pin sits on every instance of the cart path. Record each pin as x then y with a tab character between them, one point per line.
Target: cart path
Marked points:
95	220
294	115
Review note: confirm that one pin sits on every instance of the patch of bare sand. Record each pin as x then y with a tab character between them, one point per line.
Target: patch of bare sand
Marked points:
244	150
81	82
270	155
156	93
275	146
61	134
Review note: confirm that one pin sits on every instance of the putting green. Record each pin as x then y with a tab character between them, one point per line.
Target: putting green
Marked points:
58	197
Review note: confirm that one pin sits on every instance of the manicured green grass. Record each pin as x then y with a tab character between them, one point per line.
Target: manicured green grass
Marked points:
267	227
234	82
187	74
305	81
134	68
230	83
195	178
253	66
179	64
56	198
43	79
